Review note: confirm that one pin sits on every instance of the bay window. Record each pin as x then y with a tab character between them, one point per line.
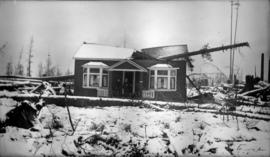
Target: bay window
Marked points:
95	75
162	77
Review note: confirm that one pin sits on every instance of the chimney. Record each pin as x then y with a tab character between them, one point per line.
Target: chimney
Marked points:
262	66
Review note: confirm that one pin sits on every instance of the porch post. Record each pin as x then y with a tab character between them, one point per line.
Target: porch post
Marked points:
123	81
133	84
110	83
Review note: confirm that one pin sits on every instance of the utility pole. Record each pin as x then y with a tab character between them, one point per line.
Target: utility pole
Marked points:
262	66
269	71
235	30
230	77
30	56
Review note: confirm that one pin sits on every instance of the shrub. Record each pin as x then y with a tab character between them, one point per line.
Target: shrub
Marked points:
166	125
56	122
127	127
177	119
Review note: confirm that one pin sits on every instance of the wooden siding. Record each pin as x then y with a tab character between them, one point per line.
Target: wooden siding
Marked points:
78	79
141	83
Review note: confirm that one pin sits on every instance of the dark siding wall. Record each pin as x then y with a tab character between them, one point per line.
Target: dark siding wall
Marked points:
78	79
180	93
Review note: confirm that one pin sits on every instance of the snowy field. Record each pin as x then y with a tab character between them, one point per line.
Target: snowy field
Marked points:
135	131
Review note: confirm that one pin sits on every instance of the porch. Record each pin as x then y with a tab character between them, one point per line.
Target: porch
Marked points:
127	84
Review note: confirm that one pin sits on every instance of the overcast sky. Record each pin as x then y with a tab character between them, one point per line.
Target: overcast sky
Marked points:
60	27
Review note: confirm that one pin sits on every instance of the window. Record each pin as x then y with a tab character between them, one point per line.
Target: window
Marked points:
152	79
162	83
162	78
95	76
84	77
173	79
105	78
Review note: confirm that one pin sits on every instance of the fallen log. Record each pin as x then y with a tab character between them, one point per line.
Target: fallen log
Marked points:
44	88
155	107
257	92
266	118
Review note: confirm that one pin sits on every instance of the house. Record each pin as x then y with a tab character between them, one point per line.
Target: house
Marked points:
107	71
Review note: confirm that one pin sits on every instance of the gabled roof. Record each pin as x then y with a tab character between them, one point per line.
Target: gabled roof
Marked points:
165	51
127	65
98	51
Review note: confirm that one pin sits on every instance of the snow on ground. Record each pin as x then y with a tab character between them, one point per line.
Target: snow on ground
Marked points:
135	128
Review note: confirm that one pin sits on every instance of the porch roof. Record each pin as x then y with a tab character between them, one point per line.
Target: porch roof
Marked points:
127	65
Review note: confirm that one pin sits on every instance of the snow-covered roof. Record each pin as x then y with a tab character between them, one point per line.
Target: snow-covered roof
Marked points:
95	64
160	66
97	51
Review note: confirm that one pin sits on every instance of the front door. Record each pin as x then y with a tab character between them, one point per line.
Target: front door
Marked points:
127	84
123	83
117	80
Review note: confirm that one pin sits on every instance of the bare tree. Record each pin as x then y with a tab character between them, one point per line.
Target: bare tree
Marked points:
50	70
40	69
48	66
58	71
20	68
9	70
68	72
30	56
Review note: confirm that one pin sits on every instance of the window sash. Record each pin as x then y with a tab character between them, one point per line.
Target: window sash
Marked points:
152	72
95	77
173	83
152	82
173	73
162	82
105	80
162	72
85	70
159	81
95	70
85	79
94	80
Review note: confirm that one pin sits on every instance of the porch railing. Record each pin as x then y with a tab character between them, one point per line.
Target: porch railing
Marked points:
148	94
102	92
